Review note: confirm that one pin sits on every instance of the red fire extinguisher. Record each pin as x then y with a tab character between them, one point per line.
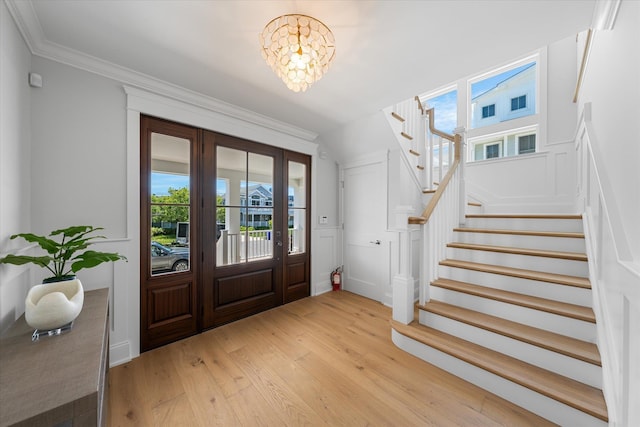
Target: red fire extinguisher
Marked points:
336	278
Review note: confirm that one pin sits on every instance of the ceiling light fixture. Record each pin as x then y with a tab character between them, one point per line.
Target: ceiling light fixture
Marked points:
298	48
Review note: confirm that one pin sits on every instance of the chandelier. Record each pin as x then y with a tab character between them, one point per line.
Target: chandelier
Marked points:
298	48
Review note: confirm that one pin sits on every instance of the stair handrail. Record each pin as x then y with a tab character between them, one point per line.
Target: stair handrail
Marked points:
444	211
457	141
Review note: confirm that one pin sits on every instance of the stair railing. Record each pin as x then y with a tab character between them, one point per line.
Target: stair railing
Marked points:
434	226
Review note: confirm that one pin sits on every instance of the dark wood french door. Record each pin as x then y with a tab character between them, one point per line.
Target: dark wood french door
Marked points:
224	229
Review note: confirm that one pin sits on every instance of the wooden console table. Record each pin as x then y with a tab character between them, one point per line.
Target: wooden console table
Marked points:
58	380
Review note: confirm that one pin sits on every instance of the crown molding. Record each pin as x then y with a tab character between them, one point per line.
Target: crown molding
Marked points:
29	26
604	14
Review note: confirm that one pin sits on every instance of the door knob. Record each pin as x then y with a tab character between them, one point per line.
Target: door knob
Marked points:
376	242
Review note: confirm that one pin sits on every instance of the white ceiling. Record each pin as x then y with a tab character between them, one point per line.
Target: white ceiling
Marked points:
386	51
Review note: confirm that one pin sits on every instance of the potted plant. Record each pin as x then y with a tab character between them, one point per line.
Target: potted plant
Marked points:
58	301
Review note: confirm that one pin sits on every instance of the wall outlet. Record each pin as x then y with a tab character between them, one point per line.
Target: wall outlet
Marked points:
323	220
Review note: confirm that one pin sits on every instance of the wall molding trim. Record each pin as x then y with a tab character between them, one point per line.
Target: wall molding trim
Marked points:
27	22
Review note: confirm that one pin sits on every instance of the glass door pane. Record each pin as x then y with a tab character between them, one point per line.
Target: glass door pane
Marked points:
244	206
170	204
297	207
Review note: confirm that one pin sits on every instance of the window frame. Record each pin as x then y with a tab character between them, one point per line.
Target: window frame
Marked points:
517	100
491	112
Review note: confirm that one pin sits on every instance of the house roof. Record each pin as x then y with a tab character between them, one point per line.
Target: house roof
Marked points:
386	51
503	81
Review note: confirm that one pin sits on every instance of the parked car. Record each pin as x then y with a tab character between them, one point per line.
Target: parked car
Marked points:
168	259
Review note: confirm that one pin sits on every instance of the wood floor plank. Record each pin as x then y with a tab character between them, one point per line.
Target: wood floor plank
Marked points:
325	360
206	397
128	402
175	412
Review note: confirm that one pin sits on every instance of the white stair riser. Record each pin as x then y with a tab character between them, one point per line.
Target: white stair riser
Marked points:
527	262
565	244
563	325
563	293
567	366
548	408
471	209
537	224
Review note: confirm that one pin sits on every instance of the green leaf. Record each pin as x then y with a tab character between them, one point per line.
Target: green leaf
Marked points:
51	246
74	230
42	261
91	259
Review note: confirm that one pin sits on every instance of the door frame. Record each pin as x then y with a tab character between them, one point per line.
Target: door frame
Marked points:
378	157
189	288
177	105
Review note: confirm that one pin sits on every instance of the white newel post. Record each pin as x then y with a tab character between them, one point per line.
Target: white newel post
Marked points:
462	171
403	281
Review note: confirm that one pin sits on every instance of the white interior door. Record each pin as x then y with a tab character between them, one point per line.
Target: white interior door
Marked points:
366	248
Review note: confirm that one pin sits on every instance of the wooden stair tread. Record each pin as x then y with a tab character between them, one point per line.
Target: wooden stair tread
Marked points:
427	191
550	306
474	204
406	135
574	256
578	349
561	279
570	392
526	216
522	232
397	116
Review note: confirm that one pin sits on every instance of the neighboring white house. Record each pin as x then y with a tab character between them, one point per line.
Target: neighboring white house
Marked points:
511	98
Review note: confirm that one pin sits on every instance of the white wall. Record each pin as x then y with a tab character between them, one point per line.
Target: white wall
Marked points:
612	85
15	142
609	178
543	182
83	168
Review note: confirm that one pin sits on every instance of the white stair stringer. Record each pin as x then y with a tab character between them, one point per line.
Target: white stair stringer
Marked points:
550	360
530	400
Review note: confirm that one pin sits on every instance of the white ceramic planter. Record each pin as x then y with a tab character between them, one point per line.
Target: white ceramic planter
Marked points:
53	305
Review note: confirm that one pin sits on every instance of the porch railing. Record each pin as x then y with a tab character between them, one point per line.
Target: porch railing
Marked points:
252	245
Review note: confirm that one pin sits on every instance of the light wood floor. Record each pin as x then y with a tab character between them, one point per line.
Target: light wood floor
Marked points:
325	360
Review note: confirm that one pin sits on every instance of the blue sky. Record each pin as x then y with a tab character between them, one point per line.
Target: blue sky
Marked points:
486	84
161	182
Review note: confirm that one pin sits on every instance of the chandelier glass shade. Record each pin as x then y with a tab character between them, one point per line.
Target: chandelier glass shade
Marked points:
298	48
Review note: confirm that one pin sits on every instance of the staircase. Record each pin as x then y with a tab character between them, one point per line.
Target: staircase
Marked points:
510	311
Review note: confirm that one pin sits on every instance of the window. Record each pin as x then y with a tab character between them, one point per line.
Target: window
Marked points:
492	151
518	103
527	144
503	95
446	108
488	111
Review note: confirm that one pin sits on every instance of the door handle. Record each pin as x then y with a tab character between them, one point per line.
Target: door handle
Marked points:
376	242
